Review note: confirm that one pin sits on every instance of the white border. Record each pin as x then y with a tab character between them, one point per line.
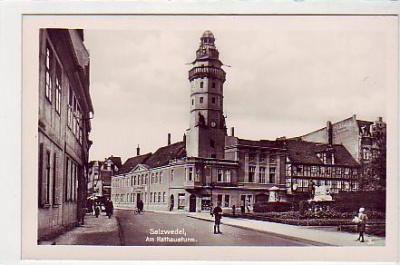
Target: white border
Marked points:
10	118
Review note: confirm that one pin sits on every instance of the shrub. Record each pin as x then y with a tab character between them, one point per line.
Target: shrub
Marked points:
271	207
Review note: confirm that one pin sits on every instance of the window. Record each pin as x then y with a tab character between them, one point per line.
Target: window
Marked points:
262	175
192	102
161	180
172	175
48	177
307	170
54	180
220	175
366	154
70	107
314	171
197	175
252	171
157	178
305	183
272	171
159	197
201	99
190	173
201	84
213	100
48	88
219	199
213	85
151	197
288	170
227	175
163	197
58	89
226	204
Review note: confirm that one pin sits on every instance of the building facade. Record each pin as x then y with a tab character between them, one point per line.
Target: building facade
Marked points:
366	142
209	167
65	109
99	176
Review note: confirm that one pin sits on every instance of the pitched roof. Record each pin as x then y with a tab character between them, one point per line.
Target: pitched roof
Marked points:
303	152
261	143
116	160
164	154
132	162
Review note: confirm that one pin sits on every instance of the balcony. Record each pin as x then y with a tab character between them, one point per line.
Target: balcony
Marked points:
206	71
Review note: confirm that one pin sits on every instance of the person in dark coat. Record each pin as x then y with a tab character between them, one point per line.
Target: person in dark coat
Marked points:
363	218
97	211
140	206
233	210
217	212
109	208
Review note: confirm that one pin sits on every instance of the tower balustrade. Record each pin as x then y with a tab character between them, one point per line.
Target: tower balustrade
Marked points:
207	71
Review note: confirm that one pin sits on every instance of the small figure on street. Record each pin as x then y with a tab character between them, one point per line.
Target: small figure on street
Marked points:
362	221
97	211
217	212
109	208
211	209
233	210
140	206
312	189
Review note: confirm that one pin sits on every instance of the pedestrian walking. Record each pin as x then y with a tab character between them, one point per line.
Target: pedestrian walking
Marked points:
217	212
97	211
233	210
109	208
362	221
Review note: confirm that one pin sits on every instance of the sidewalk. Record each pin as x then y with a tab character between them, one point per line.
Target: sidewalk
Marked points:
96	231
328	237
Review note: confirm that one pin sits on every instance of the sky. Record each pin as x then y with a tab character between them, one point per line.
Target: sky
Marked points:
285	75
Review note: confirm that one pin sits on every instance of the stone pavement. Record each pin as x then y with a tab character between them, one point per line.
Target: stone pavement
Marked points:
100	231
325	235
104	231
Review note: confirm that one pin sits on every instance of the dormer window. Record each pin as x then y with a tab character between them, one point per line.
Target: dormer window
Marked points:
327	158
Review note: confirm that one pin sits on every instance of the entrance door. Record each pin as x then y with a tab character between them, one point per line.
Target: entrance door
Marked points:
138	197
243	203
171	204
192	203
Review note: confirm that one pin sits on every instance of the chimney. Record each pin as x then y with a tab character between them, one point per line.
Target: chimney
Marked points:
329	132
169	138
184	138
138	150
380	119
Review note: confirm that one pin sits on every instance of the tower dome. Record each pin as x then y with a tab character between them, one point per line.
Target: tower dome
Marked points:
208	34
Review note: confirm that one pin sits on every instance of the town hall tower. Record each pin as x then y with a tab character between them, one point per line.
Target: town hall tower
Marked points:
207	131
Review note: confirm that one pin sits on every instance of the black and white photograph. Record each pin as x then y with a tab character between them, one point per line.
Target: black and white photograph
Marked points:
234	131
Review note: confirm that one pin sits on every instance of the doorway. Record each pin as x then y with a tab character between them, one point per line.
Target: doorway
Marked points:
192	203
172	202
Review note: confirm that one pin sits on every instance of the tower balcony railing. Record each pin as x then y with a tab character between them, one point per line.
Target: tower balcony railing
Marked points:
207	71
